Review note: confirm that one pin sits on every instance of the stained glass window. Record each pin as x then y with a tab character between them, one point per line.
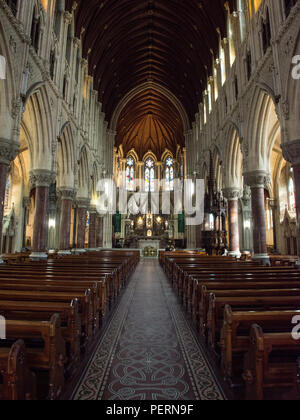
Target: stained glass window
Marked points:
7	194
169	174
130	175
149	176
292	198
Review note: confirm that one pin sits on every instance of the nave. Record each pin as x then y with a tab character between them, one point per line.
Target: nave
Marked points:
149	350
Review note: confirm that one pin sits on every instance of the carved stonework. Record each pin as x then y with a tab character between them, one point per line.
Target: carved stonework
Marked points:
257	179
65	193
291	152
247	195
285	109
92	210
42	178
82	203
8	151
232	193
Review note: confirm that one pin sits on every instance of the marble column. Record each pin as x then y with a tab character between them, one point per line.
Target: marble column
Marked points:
82	205
99	232
26	207
92	230
232	195
291	152
41	179
8	152
258	180
67	197
273	205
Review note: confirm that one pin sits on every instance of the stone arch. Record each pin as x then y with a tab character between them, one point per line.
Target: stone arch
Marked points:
83	174
66	158
233	157
37	120
150	155
166	154
261	123
217	162
132	153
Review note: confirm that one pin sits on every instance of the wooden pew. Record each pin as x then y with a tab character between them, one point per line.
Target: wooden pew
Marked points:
254	290
217	307
49	356
236	281
84	300
271	363
39	311
18	382
98	287
235	339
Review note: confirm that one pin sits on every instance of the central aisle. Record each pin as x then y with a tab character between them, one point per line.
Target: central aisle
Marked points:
148	352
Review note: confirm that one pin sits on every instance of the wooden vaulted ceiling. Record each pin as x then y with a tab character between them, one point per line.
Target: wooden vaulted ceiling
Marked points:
150	122
169	42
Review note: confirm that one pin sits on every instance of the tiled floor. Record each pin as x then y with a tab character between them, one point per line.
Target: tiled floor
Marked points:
148	351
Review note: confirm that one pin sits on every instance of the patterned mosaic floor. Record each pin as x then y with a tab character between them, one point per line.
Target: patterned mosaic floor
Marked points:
148	351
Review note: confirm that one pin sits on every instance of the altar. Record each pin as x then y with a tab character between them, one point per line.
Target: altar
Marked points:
149	243
153	243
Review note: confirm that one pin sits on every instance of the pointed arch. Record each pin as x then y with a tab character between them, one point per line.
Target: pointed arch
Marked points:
37	121
83	175
262	123
233	157
66	157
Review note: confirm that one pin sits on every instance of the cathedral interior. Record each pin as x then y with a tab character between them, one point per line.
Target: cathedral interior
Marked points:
145	101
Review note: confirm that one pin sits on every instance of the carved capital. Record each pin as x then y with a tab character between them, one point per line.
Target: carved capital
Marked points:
8	151
42	178
257	179
82	203
67	17
232	193
65	193
92	210
291	152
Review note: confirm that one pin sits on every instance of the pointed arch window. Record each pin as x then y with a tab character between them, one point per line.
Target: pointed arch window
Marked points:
291	188
130	174
169	174
149	175
7	195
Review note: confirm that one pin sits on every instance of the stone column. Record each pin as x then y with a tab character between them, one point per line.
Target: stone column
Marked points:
26	207
67	197
8	152
160	174
291	152
258	180
41	179
82	205
99	232
232	195
140	175
92	230
274	207
107	231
